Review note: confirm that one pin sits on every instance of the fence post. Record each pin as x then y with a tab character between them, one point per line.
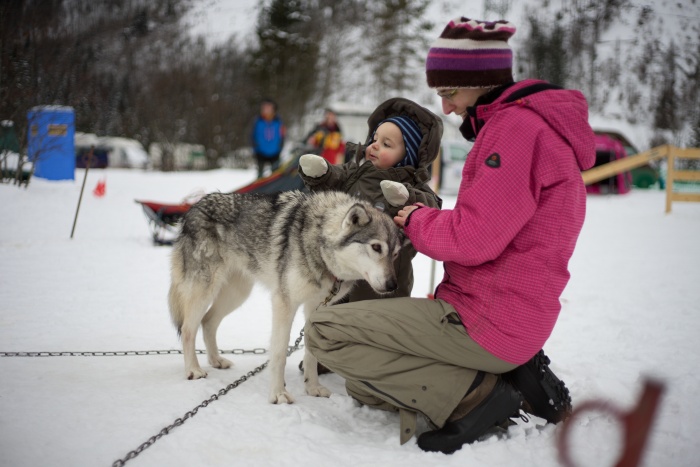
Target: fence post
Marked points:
684	175
670	165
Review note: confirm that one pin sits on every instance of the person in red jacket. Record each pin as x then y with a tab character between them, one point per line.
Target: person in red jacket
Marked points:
472	358
327	137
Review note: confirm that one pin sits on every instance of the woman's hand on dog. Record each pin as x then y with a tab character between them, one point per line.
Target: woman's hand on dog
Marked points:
402	216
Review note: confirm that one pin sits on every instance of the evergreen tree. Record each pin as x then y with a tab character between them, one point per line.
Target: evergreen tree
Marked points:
499	8
546	53
337	23
665	116
83	54
396	44
284	64
690	101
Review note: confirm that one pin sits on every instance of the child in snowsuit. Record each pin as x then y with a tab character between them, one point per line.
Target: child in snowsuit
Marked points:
390	171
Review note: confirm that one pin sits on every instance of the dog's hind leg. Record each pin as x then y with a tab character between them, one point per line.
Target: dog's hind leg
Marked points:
282	318
231	296
312	385
194	304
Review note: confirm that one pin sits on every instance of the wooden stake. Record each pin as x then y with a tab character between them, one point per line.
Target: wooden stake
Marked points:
82	188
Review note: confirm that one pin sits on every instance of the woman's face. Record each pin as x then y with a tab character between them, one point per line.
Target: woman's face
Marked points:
457	100
388	148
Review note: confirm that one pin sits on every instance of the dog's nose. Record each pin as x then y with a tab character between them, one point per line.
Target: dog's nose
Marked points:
391	285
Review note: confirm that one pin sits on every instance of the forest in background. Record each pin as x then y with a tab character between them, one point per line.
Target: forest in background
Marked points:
130	68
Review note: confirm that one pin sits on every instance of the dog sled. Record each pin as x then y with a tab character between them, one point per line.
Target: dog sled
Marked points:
163	218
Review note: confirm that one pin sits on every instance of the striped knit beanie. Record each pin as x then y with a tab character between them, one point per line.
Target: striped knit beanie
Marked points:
471	54
411	138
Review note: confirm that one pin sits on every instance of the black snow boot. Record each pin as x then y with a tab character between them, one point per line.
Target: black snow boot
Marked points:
484	407
544	394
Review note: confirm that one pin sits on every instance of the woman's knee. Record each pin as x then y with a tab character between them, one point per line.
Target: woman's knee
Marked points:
311	336
321	333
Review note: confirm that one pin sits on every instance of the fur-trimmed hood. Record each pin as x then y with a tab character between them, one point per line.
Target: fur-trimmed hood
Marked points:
430	126
361	178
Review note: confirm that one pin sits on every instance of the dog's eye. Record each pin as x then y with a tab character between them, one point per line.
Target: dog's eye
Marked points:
377	247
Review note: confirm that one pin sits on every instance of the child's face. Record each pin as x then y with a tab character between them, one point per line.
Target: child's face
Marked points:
388	148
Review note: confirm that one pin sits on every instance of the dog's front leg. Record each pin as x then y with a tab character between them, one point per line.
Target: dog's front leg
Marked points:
282	318
311	383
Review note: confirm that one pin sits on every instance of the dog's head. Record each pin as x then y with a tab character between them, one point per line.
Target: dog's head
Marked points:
368	244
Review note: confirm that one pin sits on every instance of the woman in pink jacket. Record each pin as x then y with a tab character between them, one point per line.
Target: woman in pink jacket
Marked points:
471	358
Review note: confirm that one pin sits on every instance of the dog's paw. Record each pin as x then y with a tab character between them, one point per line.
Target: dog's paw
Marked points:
281	397
317	390
220	362
195	373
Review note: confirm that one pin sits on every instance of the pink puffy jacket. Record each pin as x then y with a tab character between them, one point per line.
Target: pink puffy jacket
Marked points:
521	205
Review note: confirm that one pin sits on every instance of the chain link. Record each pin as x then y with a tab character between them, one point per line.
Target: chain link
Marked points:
334	291
214	397
127	353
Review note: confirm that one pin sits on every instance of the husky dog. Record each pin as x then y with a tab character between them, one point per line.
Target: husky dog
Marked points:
299	245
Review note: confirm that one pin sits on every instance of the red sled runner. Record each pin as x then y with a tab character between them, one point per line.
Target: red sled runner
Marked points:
163	219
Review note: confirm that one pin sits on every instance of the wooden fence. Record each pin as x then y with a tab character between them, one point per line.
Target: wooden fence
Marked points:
673	175
672	153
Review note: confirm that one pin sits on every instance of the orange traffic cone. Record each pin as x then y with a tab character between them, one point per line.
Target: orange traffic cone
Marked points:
99	190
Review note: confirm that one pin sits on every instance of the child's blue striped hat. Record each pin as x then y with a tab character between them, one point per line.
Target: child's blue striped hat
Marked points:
411	138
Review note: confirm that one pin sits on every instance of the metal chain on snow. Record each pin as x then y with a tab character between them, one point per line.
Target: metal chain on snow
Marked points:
126	353
214	397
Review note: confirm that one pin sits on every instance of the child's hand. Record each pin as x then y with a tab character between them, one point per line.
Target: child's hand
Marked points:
394	192
313	165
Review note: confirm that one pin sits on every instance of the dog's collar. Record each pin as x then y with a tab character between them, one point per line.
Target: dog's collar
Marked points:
334	291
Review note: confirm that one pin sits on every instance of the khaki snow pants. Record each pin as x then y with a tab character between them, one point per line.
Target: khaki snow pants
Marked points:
407	354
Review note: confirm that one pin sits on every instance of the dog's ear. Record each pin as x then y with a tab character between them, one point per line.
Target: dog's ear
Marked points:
356	216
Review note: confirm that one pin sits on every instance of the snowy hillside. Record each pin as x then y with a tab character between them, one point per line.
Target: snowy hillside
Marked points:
631	53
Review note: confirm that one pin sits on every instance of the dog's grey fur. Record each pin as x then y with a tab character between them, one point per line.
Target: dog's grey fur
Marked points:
296	244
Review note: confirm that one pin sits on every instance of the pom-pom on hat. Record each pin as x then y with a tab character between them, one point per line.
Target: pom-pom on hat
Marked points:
471	54
411	138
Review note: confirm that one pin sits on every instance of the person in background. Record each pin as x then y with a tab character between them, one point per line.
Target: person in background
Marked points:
268	136
472	358
328	138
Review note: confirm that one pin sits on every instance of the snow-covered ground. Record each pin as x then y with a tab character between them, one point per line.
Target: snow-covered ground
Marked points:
631	310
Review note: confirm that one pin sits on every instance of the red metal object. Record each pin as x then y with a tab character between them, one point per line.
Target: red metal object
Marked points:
636	424
609	149
100	189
